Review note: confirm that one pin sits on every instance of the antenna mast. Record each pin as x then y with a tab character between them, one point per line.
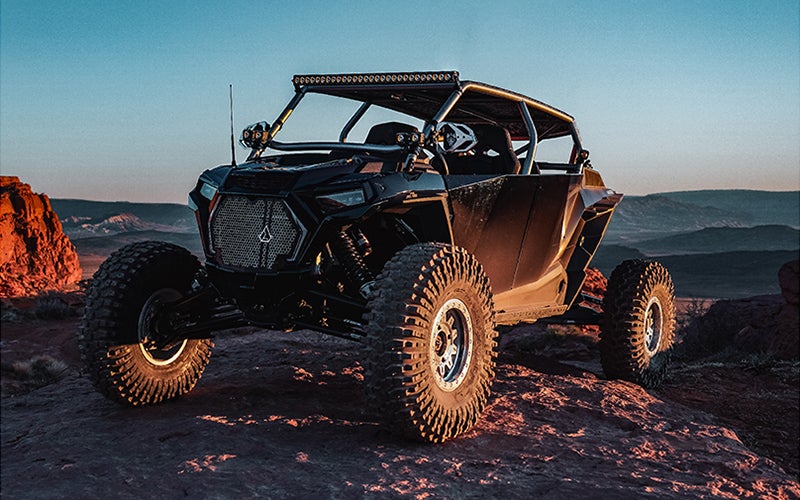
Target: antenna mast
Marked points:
233	140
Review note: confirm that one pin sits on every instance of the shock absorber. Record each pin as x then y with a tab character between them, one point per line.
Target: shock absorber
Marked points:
354	266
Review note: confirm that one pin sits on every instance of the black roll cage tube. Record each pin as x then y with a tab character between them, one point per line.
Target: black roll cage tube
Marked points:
528	167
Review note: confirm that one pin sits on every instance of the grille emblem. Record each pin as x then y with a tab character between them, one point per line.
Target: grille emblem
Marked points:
254	232
266	235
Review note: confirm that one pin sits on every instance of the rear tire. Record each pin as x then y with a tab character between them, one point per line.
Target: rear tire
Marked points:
117	334
431	342
638	330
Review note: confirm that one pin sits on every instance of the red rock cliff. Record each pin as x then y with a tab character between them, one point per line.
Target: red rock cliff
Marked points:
35	254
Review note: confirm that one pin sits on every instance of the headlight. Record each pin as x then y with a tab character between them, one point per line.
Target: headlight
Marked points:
208	191
341	199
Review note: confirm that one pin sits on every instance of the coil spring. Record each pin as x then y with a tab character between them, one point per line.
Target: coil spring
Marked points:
354	266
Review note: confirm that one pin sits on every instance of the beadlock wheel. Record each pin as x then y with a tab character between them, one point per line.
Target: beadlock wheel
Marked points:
451	344
653	326
431	342
121	347
147	329
637	333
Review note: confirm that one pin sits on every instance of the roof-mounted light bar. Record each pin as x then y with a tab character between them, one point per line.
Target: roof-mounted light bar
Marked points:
377	78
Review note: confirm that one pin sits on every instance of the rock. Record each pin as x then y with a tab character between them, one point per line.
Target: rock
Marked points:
786	343
789	280
756	324
595	283
35	254
763	324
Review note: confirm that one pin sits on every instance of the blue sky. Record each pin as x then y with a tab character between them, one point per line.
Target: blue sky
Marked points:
129	100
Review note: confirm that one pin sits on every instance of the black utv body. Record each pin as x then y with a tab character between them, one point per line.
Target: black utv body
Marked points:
417	242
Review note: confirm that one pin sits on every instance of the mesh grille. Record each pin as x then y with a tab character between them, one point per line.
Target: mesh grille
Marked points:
253	232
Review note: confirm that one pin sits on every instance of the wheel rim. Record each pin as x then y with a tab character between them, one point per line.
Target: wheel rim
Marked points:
148	333
653	326
451	344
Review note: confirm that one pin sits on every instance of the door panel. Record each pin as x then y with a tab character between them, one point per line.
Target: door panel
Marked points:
553	219
490	216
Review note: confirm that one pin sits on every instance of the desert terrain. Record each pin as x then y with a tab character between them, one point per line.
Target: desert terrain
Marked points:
283	415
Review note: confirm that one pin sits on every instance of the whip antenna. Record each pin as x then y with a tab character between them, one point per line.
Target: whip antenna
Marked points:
233	149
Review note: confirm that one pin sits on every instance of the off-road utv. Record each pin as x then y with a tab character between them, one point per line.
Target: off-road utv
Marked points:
417	241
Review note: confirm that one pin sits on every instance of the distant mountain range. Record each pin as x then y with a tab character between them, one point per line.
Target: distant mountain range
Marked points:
640	218
726	244
759	207
83	218
729	239
719	244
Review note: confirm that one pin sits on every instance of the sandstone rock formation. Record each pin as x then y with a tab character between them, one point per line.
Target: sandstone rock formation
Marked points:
35	254
595	282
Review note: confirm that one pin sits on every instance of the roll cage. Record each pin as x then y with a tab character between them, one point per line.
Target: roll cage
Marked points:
434	97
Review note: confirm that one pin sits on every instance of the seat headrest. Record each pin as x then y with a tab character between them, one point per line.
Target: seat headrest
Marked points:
498	139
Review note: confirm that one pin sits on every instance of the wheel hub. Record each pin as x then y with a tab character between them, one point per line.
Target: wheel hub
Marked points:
451	346
148	331
653	326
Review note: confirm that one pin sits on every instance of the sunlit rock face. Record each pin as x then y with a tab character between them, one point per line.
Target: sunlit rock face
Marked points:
595	282
35	254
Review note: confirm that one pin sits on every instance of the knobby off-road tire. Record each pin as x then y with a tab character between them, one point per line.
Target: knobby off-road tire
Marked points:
115	336
638	331
431	342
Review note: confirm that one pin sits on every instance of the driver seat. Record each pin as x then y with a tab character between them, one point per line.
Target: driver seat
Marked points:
490	138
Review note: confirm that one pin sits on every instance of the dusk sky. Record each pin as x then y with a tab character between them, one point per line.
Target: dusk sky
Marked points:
129	100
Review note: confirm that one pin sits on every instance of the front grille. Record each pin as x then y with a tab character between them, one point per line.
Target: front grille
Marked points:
252	232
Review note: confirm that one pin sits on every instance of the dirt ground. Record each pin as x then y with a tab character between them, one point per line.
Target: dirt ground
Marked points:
280	415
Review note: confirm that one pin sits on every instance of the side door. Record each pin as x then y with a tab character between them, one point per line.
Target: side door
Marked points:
490	215
553	217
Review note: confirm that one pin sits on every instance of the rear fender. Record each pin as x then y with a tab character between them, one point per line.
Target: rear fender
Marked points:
594	221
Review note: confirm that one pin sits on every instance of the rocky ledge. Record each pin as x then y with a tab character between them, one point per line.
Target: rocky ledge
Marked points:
35	254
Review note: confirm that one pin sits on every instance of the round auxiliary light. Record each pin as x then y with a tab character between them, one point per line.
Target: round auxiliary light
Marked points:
371	78
383	78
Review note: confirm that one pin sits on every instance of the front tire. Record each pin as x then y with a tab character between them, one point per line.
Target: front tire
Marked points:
432	343
638	329
118	336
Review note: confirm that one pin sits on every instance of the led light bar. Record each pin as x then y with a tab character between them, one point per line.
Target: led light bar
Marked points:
377	78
